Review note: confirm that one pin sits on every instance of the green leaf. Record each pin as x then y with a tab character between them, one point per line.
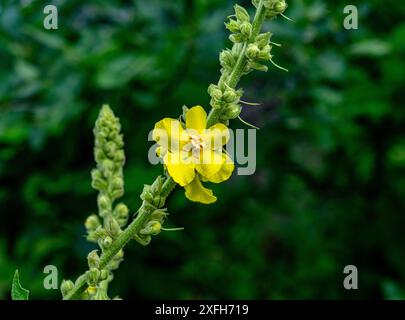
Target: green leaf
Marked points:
18	292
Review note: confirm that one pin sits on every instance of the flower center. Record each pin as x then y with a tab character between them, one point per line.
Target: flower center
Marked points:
197	141
195	145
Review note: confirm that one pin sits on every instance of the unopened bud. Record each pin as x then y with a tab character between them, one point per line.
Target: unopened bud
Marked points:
107	167
104	274
263	39
241	13
119	255
121	211
280	6
246	29
93	276
92	222
237	38
106	242
66	287
230	95
252	51
227	60
153	228
104	202
93	260
232	112
112	226
232	25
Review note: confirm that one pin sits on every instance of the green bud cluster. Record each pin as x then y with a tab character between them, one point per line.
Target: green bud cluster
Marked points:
66	287
249	51
259	51
152	202
273	7
108	179
110	158
225	99
240	27
222	96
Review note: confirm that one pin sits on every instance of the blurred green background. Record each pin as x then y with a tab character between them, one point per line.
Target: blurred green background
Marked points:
329	187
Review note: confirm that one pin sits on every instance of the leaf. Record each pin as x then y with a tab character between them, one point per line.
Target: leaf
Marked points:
18	292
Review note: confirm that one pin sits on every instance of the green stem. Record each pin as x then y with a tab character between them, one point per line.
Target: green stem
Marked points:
144	211
133	228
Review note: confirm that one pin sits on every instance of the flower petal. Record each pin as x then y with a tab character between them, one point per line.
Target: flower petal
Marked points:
216	136
180	168
225	172
196	192
209	163
169	134
196	118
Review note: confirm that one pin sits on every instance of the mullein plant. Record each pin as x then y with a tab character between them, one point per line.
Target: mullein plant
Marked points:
188	135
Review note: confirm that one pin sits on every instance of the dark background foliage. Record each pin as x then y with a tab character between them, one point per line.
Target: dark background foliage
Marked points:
329	187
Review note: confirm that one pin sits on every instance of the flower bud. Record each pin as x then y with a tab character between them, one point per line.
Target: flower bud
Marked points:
152	228
93	276
280	6
232	25
121	214
119	158
111	226
121	211
92	222
241	13
117	193
264	55
232	112
216	93
66	287
246	29
230	95
110	149
237	38
252	51
227	61
107	167
147	194
216	104
263	39
104	202
99	155
159	214
119	255
106	242
117	183
258	66
97	180
104	274
93	260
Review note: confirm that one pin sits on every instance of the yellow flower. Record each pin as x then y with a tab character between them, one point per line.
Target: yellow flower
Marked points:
194	153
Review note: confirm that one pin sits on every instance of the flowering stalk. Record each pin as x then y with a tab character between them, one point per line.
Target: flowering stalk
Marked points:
249	50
